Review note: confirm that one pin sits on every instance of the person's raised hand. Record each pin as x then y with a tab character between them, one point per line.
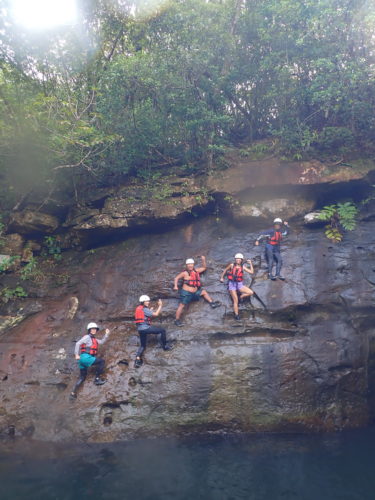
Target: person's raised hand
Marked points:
160	302
107	331
257	243
286	223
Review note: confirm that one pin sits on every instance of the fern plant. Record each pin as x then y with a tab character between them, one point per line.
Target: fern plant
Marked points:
340	217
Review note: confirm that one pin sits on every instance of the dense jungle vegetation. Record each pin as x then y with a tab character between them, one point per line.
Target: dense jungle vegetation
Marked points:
134	89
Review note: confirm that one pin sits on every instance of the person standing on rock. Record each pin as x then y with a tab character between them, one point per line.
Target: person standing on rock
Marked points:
273	239
234	273
191	288
86	351
142	316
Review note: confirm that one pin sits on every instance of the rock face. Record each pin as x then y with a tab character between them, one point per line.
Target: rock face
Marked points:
259	190
32	221
306	363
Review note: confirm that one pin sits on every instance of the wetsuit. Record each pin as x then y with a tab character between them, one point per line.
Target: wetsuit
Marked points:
272	253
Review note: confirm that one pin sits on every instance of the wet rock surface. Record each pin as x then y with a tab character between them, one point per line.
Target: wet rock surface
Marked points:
306	363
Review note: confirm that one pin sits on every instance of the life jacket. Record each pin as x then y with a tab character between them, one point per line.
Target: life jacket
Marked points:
194	279
276	238
140	317
235	273
93	349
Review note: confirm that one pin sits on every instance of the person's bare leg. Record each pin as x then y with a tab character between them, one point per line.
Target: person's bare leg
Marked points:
205	295
234	296
246	292
180	308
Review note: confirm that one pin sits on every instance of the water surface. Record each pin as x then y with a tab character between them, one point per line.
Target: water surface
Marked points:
253	467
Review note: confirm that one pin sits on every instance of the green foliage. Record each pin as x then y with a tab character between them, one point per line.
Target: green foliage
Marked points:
7	263
130	92
8	294
52	248
341	217
31	271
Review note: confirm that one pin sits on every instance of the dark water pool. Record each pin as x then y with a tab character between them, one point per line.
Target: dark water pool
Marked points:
254	467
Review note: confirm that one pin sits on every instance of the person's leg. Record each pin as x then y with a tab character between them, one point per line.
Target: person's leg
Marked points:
99	364
279	261
246	292
206	296
143	345
180	308
156	330
213	303
143	339
269	255
234	296
82	378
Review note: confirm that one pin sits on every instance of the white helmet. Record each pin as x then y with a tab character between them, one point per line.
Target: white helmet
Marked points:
277	221
92	325
189	261
238	256
144	298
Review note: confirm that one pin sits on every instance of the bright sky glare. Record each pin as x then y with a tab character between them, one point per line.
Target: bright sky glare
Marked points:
44	14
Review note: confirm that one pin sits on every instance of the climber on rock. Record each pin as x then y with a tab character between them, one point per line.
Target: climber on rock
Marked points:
234	273
143	315
273	239
191	288
85	352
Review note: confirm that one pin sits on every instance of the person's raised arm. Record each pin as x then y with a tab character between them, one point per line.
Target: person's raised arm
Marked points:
203	266
225	272
249	269
286	229
178	277
157	312
107	333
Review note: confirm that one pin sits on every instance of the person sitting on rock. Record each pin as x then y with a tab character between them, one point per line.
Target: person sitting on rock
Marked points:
86	351
234	273
273	239
191	288
143	315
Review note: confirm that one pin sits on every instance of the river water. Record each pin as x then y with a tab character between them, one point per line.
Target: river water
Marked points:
252	467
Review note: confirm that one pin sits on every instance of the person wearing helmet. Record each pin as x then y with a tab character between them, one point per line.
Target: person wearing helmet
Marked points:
143	315
273	239
85	352
191	288
234	273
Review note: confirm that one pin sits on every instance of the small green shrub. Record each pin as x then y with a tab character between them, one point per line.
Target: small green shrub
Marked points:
7	263
31	271
52	248
8	294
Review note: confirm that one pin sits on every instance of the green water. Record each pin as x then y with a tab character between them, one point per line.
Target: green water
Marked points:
253	467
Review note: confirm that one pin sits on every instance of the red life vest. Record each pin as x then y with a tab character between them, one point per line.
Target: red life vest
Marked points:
276	238
194	279
93	349
235	273
140	317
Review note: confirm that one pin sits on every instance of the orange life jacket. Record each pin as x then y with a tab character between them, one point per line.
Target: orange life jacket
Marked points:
140	317
235	273
93	349
194	279
276	238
